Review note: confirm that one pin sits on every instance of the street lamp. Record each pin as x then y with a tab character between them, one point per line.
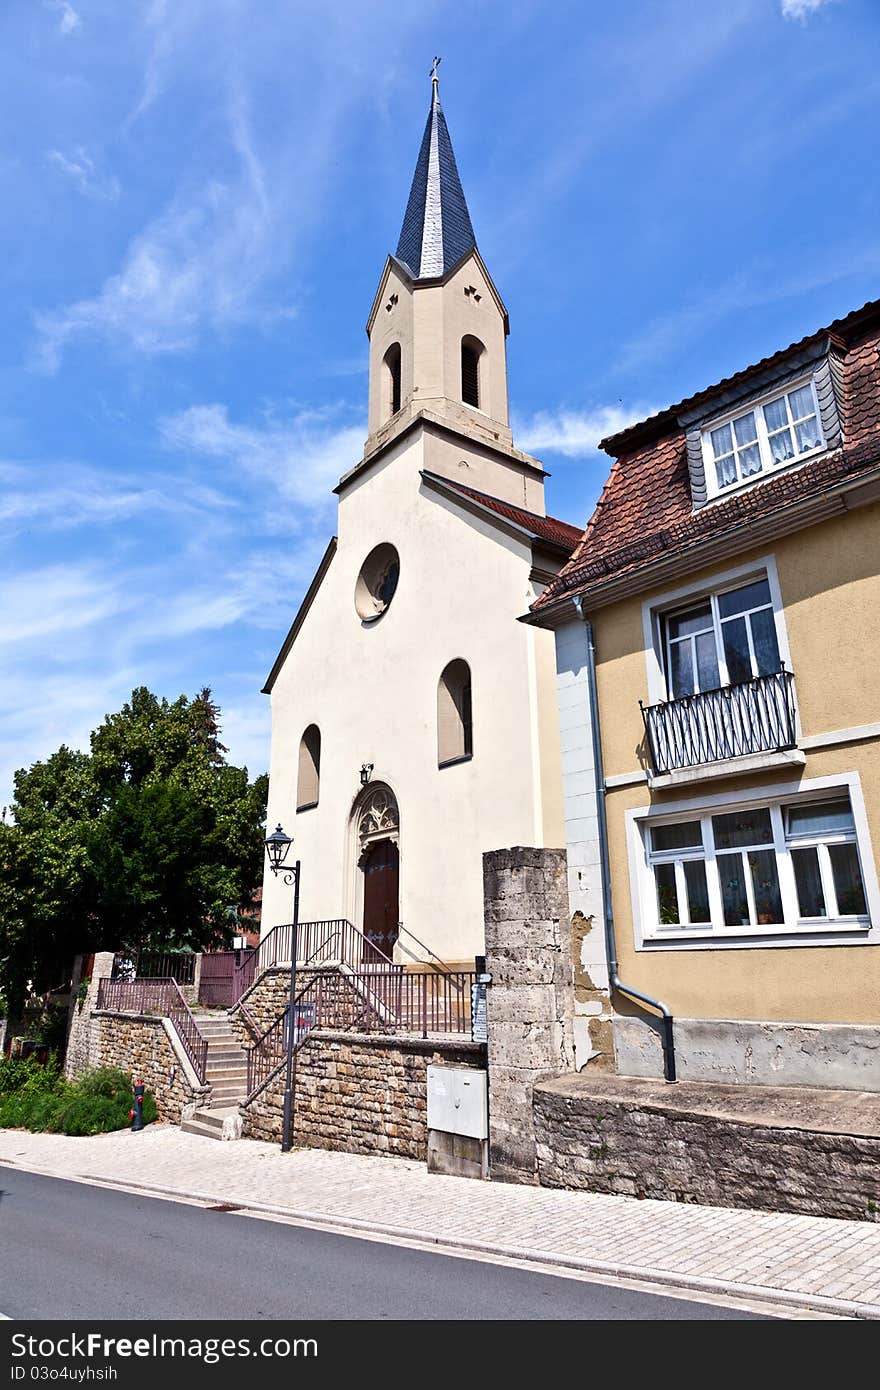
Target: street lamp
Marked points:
277	848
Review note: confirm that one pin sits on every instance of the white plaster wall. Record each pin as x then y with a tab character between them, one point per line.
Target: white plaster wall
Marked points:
581	821
372	691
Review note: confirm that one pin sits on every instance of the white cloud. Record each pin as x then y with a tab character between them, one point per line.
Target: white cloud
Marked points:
199	263
80	167
68	18
801	9
38	603
575	433
61	495
301	460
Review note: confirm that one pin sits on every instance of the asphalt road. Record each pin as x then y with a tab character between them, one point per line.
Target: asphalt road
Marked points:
68	1250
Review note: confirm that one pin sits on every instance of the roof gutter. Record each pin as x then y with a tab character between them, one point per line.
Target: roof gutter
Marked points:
614	979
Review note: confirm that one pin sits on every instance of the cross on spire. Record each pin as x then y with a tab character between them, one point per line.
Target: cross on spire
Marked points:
435	80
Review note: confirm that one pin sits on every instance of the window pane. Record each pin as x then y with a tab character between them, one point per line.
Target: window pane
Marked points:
848	880
736	650
722	442
742	828
801	403
821	818
726	470
697	890
682	674
750	461
694	620
808	436
764	641
744	429
776	415
707	661
781	447
765	885
684	835
749	596
667	897
733	890
811	899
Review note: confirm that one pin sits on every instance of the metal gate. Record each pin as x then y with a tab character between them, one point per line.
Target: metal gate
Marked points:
217	983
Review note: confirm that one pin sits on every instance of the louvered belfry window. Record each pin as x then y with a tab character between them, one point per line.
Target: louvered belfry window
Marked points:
470	374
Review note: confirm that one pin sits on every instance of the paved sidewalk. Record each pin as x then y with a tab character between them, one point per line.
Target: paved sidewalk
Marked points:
803	1261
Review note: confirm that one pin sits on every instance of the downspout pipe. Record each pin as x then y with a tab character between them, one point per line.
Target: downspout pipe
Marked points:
614	979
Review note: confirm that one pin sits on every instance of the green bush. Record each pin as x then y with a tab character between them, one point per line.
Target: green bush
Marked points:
38	1098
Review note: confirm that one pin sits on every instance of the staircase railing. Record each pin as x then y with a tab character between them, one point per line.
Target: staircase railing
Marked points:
342	1000
162	997
331	941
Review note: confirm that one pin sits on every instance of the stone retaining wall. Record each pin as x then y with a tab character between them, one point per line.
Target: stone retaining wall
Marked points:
789	1150
364	1094
141	1044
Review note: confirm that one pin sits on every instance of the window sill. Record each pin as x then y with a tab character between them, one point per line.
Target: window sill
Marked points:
309	806
454	762
842	931
728	767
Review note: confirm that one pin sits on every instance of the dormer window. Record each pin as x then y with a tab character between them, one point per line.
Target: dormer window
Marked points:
780	430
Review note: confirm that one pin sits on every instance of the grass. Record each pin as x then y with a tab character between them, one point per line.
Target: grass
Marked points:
37	1097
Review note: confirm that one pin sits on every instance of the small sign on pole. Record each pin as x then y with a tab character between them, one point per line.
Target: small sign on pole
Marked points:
480	1009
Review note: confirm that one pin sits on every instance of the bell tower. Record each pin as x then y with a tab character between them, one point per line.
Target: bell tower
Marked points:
438	327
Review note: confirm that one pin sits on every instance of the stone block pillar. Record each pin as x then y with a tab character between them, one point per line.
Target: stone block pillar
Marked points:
531	998
82	1036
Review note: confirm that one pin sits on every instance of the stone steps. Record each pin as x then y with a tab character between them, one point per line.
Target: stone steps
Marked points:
222	1123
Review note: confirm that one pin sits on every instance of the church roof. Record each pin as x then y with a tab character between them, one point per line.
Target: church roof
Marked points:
437	228
544	528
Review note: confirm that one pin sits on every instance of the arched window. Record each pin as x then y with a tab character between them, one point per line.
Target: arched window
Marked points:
454	722
309	773
471	352
391	381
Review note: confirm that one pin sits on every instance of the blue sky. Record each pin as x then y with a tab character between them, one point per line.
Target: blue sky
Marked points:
199	196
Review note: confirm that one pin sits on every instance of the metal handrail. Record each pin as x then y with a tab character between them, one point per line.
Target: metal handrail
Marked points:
444	968
405	1002
163	997
313	938
757	716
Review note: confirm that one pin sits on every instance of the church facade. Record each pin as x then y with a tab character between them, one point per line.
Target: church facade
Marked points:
414	719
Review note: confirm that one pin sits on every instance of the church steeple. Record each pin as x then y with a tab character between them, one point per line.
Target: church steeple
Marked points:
437	230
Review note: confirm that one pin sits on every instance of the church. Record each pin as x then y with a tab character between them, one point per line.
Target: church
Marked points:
414	718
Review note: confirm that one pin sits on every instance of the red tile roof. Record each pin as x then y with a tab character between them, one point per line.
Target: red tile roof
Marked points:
645	507
547	528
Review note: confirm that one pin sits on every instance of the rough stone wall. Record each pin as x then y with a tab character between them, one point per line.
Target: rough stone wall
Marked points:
529	956
139	1043
82	1035
632	1145
360	1095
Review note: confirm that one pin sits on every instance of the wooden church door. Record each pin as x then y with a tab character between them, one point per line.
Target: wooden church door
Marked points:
381	902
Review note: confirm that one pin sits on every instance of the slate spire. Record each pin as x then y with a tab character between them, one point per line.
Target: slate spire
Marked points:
436	229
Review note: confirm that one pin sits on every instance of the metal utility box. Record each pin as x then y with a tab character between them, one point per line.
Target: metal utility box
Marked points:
458	1101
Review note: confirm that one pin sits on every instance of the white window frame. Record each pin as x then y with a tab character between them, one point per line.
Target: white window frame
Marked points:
654	610
793	931
768	467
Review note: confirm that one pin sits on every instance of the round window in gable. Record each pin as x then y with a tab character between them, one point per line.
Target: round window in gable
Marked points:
377	582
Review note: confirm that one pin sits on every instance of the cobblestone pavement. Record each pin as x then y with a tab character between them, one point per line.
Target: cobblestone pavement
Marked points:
805	1261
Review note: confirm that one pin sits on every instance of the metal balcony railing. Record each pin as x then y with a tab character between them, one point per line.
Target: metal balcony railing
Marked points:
731	722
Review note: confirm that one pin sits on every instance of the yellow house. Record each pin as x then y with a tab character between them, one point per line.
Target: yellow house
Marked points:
718	632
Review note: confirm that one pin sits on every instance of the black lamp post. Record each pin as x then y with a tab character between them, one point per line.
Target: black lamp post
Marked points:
277	848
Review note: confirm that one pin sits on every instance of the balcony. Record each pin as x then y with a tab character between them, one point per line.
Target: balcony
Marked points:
725	729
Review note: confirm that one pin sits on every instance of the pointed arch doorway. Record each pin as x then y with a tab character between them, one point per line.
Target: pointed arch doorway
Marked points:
378	832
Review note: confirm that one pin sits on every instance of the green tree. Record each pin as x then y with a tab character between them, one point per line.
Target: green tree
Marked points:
144	841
